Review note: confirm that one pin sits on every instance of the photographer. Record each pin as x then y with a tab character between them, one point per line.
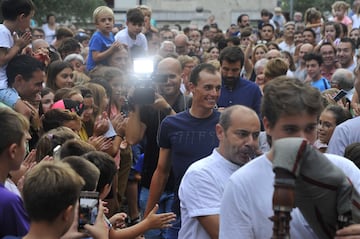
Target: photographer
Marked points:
144	122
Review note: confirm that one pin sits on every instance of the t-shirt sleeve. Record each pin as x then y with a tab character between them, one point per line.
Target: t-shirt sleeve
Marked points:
95	43
163	134
5	41
199	195
338	141
14	219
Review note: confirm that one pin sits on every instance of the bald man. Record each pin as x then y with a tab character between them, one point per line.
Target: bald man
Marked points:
182	44
238	130
272	54
300	72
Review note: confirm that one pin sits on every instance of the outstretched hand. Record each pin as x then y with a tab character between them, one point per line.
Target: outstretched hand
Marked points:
159	221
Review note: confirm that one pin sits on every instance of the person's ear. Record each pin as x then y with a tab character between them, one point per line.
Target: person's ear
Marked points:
21	16
12	149
68	214
192	87
18	79
220	133
103	194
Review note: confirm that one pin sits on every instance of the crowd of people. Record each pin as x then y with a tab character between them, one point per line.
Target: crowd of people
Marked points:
193	148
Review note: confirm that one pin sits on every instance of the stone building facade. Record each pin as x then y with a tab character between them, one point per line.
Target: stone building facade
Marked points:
185	12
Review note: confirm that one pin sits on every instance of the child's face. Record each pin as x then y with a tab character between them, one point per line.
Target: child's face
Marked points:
339	12
330	32
355	35
47	101
134	28
105	23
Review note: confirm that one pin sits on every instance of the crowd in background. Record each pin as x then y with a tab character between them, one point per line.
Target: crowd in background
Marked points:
79	93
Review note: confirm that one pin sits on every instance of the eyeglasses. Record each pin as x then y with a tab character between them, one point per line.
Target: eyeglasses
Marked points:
261	42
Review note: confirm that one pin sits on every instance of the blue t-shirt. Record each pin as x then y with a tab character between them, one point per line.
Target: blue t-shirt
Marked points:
100	43
245	93
13	218
321	84
189	139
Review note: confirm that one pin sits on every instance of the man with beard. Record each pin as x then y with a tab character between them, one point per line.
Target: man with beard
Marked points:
345	54
144	122
328	53
236	90
238	130
243	22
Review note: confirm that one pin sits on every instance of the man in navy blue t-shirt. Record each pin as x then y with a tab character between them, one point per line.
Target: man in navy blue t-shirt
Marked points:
187	136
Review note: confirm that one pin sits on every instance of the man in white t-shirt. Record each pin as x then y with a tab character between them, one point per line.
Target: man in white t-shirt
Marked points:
203	184
290	109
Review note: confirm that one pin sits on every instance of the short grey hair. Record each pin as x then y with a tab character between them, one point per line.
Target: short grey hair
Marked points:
260	63
167	43
343	78
74	56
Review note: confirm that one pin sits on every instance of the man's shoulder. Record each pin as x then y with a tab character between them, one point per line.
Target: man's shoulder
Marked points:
202	165
184	120
244	83
186	115
180	115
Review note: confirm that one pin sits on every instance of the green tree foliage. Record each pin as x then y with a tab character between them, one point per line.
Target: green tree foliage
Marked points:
79	10
301	5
